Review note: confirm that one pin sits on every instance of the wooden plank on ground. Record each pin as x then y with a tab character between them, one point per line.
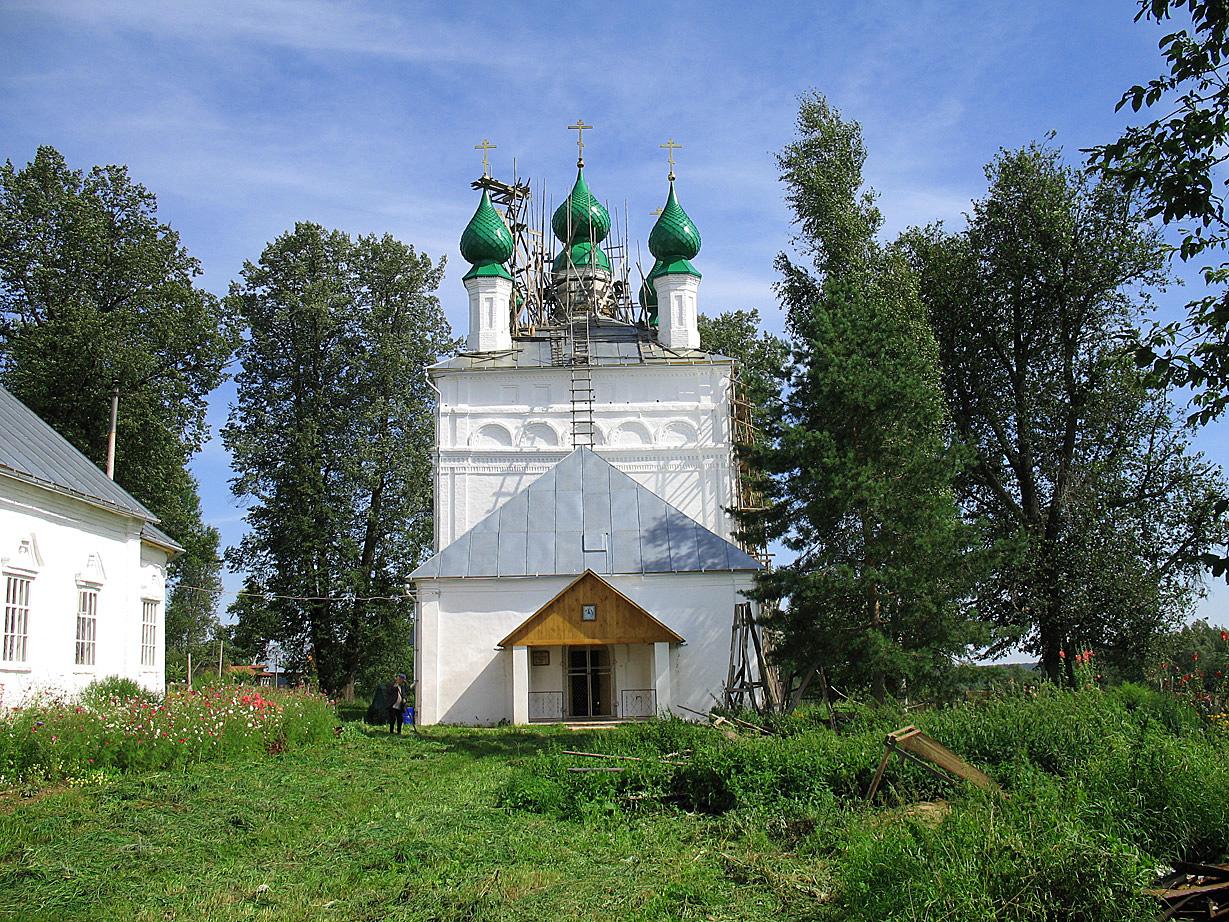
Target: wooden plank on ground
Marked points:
911	743
1195	869
917	742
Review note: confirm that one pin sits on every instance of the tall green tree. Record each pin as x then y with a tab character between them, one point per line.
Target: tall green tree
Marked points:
331	434
191	624
857	467
761	356
97	295
1081	483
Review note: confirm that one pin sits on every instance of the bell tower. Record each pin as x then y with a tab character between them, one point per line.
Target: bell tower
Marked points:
673	285
486	244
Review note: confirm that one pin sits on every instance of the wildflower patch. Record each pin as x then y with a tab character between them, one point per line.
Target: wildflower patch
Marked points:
55	739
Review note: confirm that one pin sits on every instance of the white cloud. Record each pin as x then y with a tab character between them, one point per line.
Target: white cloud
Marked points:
303	25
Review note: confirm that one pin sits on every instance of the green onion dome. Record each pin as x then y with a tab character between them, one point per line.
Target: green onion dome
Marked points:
674	240
583	255
486	242
589	220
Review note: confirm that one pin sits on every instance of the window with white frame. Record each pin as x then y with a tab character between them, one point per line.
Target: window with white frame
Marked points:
87	625
16	617
149	630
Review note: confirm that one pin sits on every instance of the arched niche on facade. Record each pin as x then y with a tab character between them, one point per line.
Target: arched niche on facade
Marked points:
678	434
539	435
492	435
631	434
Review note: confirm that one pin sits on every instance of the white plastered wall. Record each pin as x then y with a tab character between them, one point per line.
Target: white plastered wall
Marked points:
62	545
489	317
465	678
666	426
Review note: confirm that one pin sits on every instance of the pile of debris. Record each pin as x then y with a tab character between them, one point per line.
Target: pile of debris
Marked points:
1194	891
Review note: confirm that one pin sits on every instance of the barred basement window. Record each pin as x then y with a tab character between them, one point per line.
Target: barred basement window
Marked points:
149	628
16	618
87	626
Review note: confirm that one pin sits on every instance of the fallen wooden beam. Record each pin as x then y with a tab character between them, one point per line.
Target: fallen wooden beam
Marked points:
600	768
715	720
1177	893
607	755
1195	869
911	743
1193	890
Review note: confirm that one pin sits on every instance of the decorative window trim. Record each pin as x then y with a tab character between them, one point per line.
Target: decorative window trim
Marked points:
25	560
93	574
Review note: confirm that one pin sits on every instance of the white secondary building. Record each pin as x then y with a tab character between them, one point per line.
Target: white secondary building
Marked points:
585	567
82	567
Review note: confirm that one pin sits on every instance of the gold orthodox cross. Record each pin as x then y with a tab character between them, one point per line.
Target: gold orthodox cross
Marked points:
580	128
671	147
485	146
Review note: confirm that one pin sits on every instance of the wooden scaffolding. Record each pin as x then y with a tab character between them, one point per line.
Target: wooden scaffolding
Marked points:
752	680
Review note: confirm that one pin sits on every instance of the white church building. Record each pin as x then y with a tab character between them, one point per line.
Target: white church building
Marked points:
82	568
585	565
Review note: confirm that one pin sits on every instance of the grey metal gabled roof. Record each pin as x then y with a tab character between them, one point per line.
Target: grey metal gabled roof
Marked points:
152	534
584	514
32	451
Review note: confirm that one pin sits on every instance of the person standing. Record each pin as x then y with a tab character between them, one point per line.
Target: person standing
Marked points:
396	704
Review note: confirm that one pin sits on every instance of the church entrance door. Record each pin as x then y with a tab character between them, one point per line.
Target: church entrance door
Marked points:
590	684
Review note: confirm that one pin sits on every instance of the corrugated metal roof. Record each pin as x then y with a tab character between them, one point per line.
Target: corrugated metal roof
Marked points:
31	450
584	514
610	343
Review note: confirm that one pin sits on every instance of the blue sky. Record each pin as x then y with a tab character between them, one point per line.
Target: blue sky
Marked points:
245	117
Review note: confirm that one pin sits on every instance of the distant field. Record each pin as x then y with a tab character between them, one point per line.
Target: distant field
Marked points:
374	828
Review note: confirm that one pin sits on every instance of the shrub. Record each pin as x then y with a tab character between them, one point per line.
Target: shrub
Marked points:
102	692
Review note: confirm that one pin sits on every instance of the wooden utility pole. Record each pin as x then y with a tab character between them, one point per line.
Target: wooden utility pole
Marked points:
220	642
111	431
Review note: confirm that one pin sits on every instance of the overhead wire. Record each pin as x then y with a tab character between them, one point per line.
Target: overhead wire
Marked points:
269	596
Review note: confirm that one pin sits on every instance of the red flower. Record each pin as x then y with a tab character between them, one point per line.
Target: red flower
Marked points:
1194	657
1062	654
1224	635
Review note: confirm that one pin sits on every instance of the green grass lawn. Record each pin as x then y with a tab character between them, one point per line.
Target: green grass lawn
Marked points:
377	827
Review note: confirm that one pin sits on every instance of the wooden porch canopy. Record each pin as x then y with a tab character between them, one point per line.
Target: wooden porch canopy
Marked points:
617	619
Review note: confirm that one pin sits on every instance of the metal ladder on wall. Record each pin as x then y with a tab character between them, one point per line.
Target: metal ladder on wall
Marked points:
582	383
